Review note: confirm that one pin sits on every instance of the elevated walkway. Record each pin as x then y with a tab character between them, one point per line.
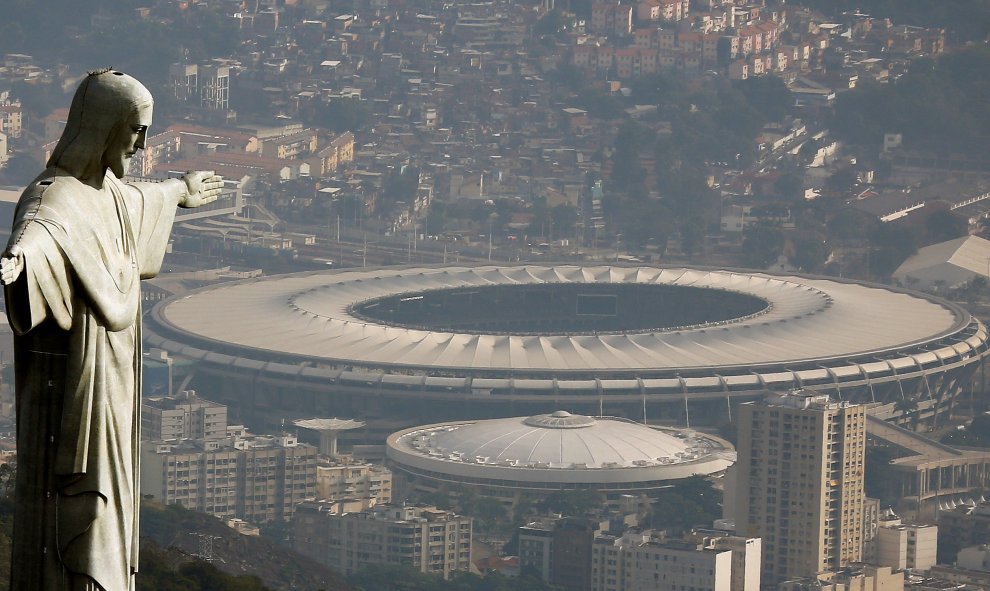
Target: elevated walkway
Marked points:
930	471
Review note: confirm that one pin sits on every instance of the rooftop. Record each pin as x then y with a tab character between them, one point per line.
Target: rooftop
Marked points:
559	447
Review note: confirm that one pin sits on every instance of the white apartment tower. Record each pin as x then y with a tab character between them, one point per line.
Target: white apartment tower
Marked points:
799	482
209	83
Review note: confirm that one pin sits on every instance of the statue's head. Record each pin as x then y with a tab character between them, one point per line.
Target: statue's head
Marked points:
107	123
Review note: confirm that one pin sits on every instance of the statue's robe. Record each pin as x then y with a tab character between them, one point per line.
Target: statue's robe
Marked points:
76	314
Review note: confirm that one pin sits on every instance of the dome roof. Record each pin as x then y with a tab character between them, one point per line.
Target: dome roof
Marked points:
546	451
559	440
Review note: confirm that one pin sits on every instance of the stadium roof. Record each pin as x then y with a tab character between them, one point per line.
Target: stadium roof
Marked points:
310	316
558	447
947	263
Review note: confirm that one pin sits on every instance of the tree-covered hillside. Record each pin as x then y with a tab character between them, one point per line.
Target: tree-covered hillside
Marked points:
938	105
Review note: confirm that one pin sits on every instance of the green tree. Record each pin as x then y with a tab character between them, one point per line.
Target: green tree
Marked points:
890	246
490	514
643	221
761	246
206	576
394	578
790	186
687	195
944	225
655	89
966	20
688	503
692	234
401	184
808	149
572	503
599	104
564	217
627	172
851	224
440	499
767	94
568	76
551	23
810	254
936	105
841	181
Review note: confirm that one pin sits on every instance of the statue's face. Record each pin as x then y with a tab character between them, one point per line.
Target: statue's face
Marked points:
127	139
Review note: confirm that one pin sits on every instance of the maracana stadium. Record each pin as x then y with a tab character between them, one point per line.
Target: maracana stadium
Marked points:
447	343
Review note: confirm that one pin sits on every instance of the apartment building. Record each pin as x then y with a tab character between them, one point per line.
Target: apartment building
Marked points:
426	538
906	546
11	118
799	482
611	18
354	480
209	84
704	561
858	577
559	550
965	525
183	416
254	478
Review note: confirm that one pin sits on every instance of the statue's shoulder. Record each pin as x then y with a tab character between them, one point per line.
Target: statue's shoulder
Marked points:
51	197
52	191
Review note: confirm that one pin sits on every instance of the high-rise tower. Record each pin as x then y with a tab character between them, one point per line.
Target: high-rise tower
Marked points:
799	482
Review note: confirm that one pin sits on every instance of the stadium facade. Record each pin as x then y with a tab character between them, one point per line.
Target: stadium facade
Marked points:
428	344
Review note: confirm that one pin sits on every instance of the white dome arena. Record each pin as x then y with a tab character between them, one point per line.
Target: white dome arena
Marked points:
556	451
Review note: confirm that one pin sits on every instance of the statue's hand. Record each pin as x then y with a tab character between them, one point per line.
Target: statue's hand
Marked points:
11	265
202	187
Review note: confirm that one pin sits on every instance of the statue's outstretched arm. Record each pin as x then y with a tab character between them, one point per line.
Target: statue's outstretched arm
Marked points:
202	187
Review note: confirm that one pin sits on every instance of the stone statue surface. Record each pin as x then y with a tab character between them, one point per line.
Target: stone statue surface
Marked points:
81	242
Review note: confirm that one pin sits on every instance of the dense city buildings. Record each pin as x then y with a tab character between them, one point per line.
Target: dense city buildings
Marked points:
591	176
799	482
857	576
962	526
425	538
255	478
584	554
191	456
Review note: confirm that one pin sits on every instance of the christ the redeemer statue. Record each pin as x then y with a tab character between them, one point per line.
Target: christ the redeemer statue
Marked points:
81	242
